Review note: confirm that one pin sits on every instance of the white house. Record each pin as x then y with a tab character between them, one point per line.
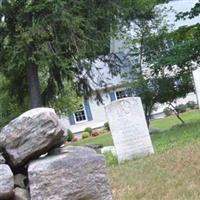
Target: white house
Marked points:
92	114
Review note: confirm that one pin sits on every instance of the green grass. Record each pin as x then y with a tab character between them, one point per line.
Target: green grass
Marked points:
168	122
172	173
176	137
173	132
104	139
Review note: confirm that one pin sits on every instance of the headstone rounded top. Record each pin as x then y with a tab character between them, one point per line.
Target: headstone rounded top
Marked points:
129	129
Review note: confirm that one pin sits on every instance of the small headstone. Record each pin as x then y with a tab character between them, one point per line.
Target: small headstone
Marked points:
129	128
72	173
6	182
108	149
196	77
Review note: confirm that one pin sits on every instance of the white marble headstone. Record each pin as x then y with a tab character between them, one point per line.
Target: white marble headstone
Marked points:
129	128
196	76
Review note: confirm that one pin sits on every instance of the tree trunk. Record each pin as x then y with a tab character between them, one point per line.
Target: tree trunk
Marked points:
176	113
34	85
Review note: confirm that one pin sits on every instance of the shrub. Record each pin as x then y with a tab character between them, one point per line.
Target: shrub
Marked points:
168	111
89	130
74	139
70	135
94	133
85	135
111	159
181	108
191	104
106	126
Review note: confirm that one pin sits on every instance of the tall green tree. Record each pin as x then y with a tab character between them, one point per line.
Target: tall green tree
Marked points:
155	77
49	40
47	47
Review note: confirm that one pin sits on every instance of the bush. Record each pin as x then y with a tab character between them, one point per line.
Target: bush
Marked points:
70	135
85	135
94	133
106	126
181	108
74	139
89	130
191	105
168	111
111	159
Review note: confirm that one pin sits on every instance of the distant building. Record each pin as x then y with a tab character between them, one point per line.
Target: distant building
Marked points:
92	114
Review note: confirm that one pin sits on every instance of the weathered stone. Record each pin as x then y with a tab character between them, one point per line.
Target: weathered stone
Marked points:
31	134
2	160
69	173
19	180
6	182
21	194
129	128
94	146
108	149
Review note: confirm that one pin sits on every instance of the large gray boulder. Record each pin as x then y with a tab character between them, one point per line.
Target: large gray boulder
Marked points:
31	134
6	182
69	173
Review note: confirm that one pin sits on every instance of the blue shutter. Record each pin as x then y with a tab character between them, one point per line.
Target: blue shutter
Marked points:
88	110
112	96
71	119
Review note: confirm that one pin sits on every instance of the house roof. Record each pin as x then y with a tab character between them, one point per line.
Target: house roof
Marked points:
103	74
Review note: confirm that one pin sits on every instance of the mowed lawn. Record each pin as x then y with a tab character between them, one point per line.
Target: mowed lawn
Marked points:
172	134
172	173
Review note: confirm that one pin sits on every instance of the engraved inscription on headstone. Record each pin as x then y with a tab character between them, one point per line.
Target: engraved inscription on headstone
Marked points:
196	76
129	128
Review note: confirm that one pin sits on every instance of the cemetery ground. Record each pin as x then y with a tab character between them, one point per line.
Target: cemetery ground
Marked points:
173	172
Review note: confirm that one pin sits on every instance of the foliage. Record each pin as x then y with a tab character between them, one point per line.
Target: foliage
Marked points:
57	41
70	135
85	135
94	133
9	109
110	159
154	78
168	111
89	130
106	126
181	108
191	105
74	139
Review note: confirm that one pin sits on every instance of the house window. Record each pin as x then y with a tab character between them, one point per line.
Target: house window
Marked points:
80	115
121	94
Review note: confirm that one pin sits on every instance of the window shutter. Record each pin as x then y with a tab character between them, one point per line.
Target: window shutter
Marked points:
112	96
71	119
88	110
